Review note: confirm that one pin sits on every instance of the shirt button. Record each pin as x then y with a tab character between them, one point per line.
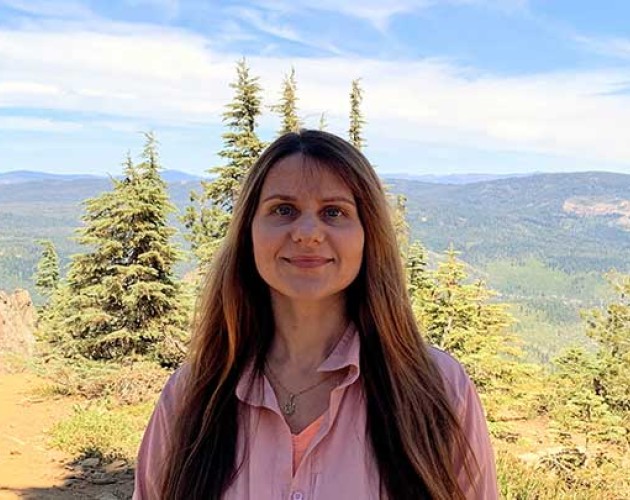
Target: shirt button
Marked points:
297	495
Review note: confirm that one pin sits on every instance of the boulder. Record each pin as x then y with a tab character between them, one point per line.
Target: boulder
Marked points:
17	322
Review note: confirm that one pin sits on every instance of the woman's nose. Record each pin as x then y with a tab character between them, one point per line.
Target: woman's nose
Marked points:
307	229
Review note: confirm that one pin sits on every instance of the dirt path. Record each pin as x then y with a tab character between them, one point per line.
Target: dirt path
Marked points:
28	467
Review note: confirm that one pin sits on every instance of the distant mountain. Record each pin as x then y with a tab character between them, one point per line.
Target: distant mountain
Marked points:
455	178
178	176
576	221
22	176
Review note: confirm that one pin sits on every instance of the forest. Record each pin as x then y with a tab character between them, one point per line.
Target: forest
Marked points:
115	316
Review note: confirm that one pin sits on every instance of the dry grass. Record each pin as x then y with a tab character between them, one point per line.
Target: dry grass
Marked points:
120	384
95	430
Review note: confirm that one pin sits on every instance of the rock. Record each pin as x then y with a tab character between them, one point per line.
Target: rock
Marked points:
107	496
116	467
103	480
90	462
17	322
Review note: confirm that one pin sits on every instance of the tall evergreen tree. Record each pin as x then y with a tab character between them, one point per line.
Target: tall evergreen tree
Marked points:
47	275
356	116
287	107
610	328
323	124
458	316
121	297
208	216
419	280
576	404
591	393
398	204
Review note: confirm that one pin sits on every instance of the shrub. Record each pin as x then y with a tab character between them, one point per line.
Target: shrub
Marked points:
96	431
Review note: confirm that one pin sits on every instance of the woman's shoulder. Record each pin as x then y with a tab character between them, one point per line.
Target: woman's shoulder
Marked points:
467	405
458	384
173	389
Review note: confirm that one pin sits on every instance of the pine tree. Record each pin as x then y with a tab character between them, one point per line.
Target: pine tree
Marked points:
323	124
398	204
591	394
209	214
419	282
287	107
121	297
576	404
458	316
356	117
47	276
610	328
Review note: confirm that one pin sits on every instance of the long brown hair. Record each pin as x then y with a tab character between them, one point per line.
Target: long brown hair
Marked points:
411	425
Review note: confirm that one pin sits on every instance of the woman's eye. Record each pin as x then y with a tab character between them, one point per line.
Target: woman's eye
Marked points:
333	212
284	210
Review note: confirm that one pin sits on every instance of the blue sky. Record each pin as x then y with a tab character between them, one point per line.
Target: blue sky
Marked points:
451	86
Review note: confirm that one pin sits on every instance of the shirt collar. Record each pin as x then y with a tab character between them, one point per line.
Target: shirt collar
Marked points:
344	355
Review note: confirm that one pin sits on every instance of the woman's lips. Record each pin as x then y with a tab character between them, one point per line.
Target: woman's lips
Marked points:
308	262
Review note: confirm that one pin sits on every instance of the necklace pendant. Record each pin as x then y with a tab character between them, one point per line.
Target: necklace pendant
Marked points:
288	408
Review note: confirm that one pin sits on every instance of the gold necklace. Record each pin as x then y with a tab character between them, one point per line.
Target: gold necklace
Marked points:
289	407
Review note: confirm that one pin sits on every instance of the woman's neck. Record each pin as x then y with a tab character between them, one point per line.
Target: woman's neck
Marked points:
306	333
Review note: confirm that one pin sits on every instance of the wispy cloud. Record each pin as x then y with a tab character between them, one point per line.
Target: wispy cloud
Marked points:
59	9
19	123
607	46
377	12
267	22
168	8
271	23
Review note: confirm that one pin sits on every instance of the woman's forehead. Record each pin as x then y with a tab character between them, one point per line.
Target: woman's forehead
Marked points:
298	175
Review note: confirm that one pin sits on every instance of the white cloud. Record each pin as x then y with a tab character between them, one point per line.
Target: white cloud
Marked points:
160	76
14	89
20	123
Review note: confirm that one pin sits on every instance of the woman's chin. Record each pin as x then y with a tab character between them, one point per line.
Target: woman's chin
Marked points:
307	294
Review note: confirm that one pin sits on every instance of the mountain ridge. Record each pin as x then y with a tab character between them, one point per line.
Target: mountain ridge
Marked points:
25	176
510	218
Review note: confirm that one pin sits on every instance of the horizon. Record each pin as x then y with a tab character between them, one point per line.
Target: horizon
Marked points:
451	87
393	175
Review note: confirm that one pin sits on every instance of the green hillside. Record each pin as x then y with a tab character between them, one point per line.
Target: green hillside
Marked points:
523	217
30	211
542	241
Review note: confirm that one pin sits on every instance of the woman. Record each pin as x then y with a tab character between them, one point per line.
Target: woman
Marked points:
307	377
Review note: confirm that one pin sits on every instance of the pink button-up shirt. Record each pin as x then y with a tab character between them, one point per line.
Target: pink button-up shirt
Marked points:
336	464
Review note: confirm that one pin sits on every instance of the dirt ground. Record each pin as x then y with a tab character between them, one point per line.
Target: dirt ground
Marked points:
29	468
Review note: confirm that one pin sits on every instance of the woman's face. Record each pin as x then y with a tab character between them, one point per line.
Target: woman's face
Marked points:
307	236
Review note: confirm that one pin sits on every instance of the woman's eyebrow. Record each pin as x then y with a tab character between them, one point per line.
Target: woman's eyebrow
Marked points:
338	199
330	199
